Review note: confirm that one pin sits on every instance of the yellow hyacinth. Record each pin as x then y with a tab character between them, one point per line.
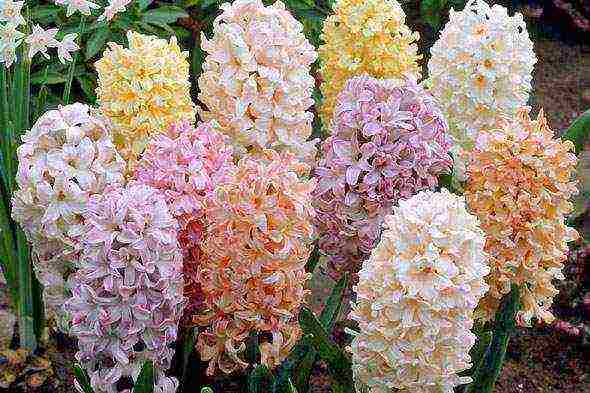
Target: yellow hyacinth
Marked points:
143	89
364	36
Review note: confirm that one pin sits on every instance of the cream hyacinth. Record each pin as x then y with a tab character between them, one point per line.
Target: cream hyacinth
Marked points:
256	80
416	296
481	67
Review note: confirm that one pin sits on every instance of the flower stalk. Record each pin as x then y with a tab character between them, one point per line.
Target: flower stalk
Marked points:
486	375
72	68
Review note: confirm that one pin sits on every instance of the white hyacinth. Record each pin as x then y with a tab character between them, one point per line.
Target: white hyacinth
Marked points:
481	67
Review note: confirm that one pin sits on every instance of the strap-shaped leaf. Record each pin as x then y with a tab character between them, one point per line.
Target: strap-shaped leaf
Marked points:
259	379
578	131
313	260
334	304
188	347
145	380
97	40
164	14
82	377
338	363
327	319
486	375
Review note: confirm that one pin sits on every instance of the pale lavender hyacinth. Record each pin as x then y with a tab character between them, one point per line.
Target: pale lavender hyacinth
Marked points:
127	299
67	156
388	140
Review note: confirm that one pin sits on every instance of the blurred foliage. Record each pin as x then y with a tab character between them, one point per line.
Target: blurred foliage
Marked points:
48	76
436	12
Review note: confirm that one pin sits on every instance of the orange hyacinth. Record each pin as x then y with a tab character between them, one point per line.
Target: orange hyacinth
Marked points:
519	184
252	275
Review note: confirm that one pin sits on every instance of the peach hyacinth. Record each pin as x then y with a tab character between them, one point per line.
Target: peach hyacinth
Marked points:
416	296
257	242
388	141
256	80
364	37
186	164
519	184
481	68
127	298
66	157
143	89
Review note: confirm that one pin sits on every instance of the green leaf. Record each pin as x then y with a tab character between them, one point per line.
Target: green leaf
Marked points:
97	41
187	349
164	14
334	304
88	85
144	4
52	78
578	132
145	380
490	367
313	260
259	379
290	387
431	11
197	58
338	363
164	27
45	14
123	22
206	389
82	378
327	319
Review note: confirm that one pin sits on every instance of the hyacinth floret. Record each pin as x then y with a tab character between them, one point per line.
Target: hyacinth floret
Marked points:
520	180
256	80
186	164
481	68
388	141
127	296
143	89
416	296
66	157
364	36
257	242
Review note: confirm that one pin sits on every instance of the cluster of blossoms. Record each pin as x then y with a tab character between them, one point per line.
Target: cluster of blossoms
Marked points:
85	7
519	183
416	297
364	36
143	89
480	68
258	240
66	157
127	298
256	80
388	141
186	164
38	41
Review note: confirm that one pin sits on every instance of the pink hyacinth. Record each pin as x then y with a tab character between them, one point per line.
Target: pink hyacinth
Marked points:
186	164
388	141
127	295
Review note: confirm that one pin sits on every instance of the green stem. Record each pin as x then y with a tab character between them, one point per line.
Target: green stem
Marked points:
486	375
8	255
26	321
72	68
